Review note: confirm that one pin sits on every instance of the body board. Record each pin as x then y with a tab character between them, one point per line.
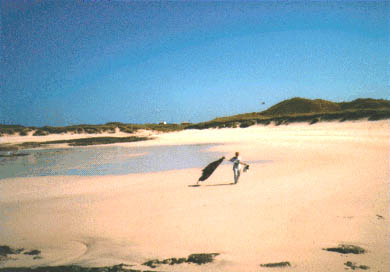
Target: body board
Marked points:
209	169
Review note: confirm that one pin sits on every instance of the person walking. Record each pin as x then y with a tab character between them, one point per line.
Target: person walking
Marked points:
236	160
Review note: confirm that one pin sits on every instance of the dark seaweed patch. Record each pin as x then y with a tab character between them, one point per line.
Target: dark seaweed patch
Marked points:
202	258
33	252
346	249
280	264
73	268
6	250
199	258
354	266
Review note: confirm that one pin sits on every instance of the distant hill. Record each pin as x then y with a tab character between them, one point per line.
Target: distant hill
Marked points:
299	105
306	110
288	111
365	103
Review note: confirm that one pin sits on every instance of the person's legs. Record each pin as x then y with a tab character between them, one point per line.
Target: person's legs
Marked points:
236	175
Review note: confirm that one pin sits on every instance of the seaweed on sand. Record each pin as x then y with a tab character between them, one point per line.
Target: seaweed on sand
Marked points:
73	268
32	252
74	142
199	258
346	249
280	264
202	258
6	250
354	266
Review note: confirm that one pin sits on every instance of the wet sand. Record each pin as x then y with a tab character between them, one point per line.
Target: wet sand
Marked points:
326	184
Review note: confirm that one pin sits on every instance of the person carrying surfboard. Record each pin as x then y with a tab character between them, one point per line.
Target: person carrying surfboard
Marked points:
236	160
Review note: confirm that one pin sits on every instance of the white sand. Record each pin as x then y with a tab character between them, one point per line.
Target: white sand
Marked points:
325	186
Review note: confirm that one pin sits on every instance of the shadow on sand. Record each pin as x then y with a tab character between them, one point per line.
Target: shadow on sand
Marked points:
221	184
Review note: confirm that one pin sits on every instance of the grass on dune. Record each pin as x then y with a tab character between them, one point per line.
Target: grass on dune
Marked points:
288	111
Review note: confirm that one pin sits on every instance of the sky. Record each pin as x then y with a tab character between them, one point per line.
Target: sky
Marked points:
91	62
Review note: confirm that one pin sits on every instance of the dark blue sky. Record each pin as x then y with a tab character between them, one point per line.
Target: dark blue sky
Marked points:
71	62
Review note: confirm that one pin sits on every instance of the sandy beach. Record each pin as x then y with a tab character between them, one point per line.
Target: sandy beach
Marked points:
323	185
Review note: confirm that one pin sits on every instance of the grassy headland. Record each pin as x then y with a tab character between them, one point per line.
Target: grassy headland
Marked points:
288	111
305	110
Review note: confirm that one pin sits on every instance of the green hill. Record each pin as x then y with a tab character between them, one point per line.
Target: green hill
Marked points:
306	110
288	111
365	103
299	105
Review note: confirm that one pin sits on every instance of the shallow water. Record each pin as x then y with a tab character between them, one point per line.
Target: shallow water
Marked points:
106	160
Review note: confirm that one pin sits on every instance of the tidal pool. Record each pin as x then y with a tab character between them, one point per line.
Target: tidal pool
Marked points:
106	160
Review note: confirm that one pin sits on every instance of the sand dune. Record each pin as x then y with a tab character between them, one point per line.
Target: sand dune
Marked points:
324	185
